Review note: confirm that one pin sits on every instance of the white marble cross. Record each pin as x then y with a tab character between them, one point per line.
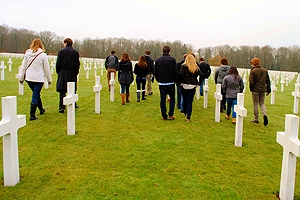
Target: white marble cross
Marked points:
9	126
291	150
296	95
197	92
273	90
205	93
241	112
2	67
21	85
282	83
46	83
97	88
112	88
9	62
218	97
95	69
70	100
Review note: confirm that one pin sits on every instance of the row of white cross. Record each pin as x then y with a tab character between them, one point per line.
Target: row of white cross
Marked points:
11	122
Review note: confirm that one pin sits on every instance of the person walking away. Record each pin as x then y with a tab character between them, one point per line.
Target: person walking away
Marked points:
149	77
232	85
165	73
125	76
206	70
141	70
220	73
111	65
67	69
34	67
179	87
260	87
188	79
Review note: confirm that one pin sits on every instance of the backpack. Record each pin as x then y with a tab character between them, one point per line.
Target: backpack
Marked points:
110	62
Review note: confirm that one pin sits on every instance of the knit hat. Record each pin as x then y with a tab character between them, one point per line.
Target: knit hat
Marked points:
255	61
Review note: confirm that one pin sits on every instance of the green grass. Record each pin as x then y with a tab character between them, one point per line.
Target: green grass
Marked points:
128	152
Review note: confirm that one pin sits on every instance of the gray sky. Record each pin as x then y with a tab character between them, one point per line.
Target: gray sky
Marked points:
196	22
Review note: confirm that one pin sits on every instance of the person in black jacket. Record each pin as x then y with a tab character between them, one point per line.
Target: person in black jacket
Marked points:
206	70
149	77
125	76
165	73
188	79
141	70
111	65
178	86
67	68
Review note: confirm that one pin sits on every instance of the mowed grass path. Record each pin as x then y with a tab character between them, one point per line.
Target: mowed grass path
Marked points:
128	152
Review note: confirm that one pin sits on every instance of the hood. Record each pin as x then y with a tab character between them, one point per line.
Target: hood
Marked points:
224	67
29	52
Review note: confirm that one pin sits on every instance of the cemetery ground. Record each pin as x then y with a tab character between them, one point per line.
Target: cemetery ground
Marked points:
129	152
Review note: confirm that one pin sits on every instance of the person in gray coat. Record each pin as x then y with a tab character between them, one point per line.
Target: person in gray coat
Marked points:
220	73
232	85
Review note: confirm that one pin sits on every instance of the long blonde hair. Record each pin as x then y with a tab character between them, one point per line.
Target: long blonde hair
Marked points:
36	44
190	62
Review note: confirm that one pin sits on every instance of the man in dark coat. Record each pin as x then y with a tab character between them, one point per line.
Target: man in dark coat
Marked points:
165	73
67	68
206	70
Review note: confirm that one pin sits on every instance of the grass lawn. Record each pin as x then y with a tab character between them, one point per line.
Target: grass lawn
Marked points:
129	152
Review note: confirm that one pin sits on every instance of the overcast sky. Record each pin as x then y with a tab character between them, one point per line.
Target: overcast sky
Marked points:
200	23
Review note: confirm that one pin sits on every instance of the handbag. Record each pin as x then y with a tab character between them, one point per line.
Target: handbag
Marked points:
30	64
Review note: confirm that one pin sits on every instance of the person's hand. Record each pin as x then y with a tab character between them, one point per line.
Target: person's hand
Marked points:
267	93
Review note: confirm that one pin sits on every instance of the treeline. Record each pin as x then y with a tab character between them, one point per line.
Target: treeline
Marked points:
14	40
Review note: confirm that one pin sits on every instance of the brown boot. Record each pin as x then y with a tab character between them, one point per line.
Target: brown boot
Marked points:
234	120
127	98
123	98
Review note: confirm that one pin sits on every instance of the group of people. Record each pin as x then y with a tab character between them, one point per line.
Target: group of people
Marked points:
186	75
232	84
35	67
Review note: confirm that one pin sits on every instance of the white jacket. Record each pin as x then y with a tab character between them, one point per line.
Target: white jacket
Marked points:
38	69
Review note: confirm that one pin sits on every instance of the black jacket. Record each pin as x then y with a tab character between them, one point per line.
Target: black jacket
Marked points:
205	69
165	70
150	63
186	77
67	67
141	72
125	74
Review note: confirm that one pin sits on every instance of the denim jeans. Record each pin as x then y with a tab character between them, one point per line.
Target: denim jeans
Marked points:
201	87
125	87
140	81
230	106
179	97
188	97
36	88
165	90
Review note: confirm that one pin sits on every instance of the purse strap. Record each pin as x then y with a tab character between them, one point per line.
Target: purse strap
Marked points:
30	64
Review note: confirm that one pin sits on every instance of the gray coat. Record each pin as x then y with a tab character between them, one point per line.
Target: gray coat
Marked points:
220	73
232	87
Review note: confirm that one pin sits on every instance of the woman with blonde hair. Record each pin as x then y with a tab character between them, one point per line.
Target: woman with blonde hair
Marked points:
34	67
188	78
125	76
141	70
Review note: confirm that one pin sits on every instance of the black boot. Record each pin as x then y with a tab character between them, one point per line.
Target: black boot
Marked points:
32	112
40	106
143	95
138	96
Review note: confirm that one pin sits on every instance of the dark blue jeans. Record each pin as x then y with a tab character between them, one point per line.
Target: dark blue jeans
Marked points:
179	98
36	88
140	81
188	97
125	87
230	106
165	90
